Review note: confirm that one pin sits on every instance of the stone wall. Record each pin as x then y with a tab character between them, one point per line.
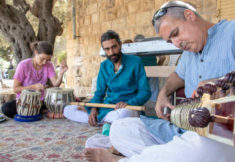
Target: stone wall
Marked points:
94	17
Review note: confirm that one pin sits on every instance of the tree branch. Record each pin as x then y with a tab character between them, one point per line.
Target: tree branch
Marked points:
2	3
21	5
49	26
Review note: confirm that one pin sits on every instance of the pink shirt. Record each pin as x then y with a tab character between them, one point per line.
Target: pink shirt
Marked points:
28	75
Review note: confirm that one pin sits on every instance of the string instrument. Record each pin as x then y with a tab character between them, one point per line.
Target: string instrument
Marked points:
212	114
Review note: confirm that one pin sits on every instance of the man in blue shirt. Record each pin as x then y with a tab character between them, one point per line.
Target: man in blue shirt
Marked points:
121	81
209	54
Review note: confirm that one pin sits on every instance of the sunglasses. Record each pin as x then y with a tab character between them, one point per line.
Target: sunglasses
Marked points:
161	12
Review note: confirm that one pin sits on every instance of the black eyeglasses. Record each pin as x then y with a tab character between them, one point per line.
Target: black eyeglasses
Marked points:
161	12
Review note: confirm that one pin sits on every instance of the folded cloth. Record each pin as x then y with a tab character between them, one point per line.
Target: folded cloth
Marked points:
163	130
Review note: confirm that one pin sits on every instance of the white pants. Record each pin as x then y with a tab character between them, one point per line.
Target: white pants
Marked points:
130	137
71	113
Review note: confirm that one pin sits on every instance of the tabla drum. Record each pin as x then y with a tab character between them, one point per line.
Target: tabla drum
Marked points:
56	99
6	96
28	106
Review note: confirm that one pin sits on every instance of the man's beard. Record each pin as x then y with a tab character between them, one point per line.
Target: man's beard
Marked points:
114	57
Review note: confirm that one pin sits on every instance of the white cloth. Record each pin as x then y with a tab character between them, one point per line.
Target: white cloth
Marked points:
190	147
71	113
130	137
98	141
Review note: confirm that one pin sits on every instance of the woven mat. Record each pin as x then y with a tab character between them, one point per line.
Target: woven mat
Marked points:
44	140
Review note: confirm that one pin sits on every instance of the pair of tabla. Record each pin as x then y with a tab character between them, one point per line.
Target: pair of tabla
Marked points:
29	103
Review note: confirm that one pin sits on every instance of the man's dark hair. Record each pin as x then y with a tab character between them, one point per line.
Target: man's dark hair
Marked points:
110	34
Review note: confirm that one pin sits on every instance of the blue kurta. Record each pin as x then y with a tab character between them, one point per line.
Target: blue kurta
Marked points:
216	59
128	85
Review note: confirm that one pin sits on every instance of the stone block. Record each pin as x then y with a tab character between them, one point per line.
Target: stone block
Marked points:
102	5
96	28
133	6
131	20
88	30
92	1
102	15
87	20
82	31
111	14
94	18
106	26
146	5
119	3
159	3
110	4
93	8
144	18
122	11
85	3
198	4
81	12
209	7
148	31
135	31
126	1
124	34
119	24
80	21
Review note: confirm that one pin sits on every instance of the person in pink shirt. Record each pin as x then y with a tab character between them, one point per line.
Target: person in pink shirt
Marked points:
33	74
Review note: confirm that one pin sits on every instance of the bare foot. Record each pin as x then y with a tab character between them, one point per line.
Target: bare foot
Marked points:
114	151
100	155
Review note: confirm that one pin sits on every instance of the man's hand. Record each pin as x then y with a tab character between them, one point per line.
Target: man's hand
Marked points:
82	108
201	84
93	117
163	101
120	105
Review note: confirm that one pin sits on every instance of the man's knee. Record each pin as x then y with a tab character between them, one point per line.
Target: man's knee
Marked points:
120	126
69	109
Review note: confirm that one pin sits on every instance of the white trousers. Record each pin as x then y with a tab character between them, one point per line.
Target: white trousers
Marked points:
130	137
71	113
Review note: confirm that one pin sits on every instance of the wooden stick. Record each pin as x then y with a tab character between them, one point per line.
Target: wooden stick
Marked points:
224	100
223	119
138	108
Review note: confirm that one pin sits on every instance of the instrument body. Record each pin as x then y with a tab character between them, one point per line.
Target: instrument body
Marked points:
213	113
56	99
221	126
28	106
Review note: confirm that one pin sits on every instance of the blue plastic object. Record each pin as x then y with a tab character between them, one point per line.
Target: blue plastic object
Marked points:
21	118
106	129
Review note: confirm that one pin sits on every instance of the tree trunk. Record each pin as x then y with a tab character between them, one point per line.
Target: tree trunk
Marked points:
16	28
49	26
